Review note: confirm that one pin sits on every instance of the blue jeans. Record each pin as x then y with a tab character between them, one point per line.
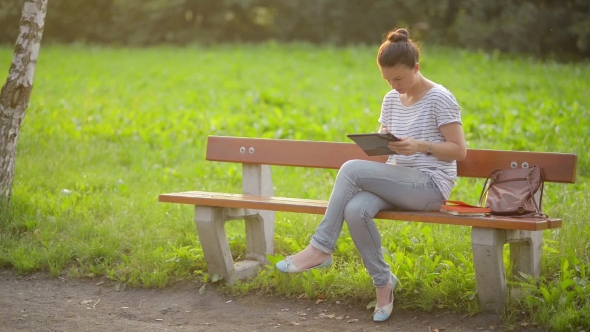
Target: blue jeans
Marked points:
361	190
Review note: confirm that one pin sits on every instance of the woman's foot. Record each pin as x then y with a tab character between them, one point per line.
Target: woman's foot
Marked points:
384	296
384	305
307	259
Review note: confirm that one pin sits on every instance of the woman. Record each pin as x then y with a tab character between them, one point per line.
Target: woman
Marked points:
418	176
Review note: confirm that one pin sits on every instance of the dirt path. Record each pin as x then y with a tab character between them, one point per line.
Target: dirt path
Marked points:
38	303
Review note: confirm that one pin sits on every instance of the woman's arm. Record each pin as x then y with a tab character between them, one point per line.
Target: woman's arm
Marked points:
454	147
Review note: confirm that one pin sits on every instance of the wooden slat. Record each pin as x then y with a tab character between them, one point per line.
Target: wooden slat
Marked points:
557	167
284	152
285	204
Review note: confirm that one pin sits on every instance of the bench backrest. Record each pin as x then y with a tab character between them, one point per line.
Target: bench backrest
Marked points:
557	167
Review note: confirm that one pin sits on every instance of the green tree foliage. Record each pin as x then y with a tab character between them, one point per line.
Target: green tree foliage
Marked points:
538	27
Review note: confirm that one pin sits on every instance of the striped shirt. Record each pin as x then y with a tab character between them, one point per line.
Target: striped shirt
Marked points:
422	121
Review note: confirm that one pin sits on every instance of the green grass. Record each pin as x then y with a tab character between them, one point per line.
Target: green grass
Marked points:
107	130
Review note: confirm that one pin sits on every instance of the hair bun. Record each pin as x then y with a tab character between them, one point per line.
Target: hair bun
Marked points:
398	35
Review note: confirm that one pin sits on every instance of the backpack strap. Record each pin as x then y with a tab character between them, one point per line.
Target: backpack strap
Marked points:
487	185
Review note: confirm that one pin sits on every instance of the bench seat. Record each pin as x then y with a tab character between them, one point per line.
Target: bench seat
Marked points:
257	204
312	206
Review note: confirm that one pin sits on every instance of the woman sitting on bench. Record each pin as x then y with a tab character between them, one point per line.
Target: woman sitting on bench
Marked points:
418	175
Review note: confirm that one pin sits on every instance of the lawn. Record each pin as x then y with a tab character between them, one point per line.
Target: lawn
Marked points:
108	129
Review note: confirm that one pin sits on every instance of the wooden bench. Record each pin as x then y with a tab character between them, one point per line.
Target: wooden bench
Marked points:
256	205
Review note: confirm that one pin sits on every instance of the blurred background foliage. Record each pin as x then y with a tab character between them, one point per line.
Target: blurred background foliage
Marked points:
544	28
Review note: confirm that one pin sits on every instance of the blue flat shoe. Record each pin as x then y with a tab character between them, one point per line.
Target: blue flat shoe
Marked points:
287	266
381	314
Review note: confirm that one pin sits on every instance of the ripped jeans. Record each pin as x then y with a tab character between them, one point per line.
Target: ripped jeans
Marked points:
361	190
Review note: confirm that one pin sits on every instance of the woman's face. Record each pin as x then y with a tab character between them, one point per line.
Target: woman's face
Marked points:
400	77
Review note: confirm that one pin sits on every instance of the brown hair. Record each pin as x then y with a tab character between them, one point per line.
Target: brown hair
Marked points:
398	48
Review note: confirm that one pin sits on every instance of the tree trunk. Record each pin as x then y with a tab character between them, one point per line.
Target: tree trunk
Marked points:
15	94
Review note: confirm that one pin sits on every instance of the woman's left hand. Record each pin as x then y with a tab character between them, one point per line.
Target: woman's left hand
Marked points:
407	146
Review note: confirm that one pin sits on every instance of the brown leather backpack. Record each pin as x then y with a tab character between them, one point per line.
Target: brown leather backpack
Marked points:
511	192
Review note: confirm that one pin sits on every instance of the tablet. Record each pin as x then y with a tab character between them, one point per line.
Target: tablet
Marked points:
374	144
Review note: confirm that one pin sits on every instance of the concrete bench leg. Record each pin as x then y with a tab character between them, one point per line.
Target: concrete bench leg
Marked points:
259	227
525	252
525	249
210	222
260	235
487	245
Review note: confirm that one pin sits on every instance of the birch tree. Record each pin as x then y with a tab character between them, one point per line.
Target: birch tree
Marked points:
16	92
